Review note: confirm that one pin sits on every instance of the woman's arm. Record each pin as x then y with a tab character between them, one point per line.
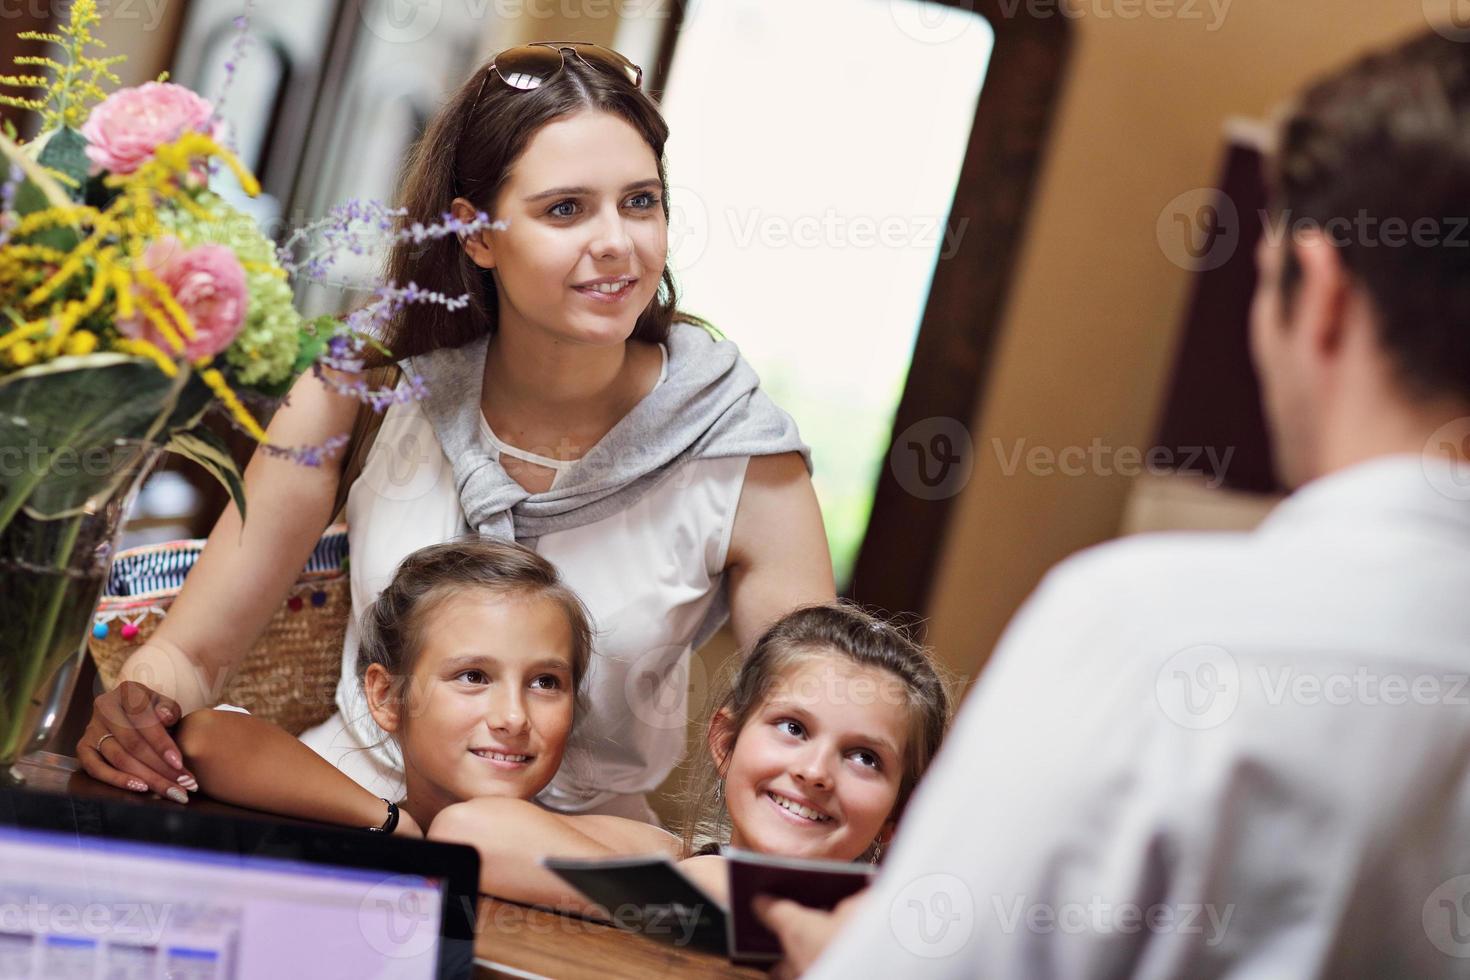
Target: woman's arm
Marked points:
245	760
778	557
239	582
513	836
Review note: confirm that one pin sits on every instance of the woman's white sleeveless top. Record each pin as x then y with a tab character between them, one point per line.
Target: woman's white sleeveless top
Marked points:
647	576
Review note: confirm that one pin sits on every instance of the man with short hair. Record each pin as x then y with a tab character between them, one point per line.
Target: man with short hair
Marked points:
1202	755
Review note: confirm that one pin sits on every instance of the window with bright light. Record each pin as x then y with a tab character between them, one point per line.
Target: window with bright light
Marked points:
814	155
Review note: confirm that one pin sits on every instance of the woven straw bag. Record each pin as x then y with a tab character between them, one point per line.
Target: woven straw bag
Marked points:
289	677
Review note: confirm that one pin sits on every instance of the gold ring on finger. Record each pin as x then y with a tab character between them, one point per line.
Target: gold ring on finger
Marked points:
104	738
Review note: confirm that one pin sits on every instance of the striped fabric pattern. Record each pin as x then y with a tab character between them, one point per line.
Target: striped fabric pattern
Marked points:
160	569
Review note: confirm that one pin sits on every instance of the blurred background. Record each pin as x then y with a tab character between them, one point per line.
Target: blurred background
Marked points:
993	255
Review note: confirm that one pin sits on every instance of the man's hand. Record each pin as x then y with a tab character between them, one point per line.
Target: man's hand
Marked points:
804	932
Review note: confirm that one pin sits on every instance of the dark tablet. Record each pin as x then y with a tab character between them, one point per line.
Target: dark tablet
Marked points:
815	884
648	895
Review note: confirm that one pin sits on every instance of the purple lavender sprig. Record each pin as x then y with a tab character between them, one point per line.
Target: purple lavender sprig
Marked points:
237	53
344	350
380	399
341	230
304	455
368	321
309	455
8	217
338	231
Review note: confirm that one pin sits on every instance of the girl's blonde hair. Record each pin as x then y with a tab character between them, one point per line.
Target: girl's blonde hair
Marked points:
392	628
814	631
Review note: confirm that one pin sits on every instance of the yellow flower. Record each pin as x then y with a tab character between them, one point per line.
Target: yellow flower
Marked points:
81	343
66	98
23	353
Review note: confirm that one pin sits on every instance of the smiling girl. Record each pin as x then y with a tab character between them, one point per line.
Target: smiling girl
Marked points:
571	405
471	661
813	752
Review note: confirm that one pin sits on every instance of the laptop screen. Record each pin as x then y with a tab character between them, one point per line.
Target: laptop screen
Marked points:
74	903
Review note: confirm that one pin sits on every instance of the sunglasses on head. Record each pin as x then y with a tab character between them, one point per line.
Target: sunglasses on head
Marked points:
529	66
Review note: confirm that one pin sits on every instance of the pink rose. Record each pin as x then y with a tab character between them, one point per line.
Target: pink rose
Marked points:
208	282
125	128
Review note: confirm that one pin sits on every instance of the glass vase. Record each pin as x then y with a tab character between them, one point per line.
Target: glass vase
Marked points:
52	572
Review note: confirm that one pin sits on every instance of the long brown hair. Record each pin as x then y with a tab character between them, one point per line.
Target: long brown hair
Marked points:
467	150
812	631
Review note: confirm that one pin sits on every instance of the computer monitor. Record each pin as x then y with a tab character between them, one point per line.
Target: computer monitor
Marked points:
101	888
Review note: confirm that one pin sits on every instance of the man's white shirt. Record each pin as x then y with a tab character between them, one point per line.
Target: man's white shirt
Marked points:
1200	755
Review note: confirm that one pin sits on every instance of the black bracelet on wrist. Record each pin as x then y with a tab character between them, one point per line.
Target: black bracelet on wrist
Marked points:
391	823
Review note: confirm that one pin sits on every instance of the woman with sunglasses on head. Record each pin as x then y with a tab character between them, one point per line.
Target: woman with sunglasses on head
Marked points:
571	406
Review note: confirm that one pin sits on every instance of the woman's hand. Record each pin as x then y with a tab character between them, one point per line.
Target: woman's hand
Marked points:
127	743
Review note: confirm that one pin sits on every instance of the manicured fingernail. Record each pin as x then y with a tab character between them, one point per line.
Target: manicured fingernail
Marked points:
137	786
177	795
188	782
174	759
166	714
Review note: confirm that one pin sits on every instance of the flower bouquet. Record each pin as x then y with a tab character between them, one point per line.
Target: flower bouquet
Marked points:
134	302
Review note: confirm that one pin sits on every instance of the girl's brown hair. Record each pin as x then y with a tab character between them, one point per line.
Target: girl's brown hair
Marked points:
392	628
814	631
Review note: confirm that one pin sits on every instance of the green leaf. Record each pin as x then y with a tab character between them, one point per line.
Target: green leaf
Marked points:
37	192
311	348
61	238
195	399
209	451
65	151
38	185
71	428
